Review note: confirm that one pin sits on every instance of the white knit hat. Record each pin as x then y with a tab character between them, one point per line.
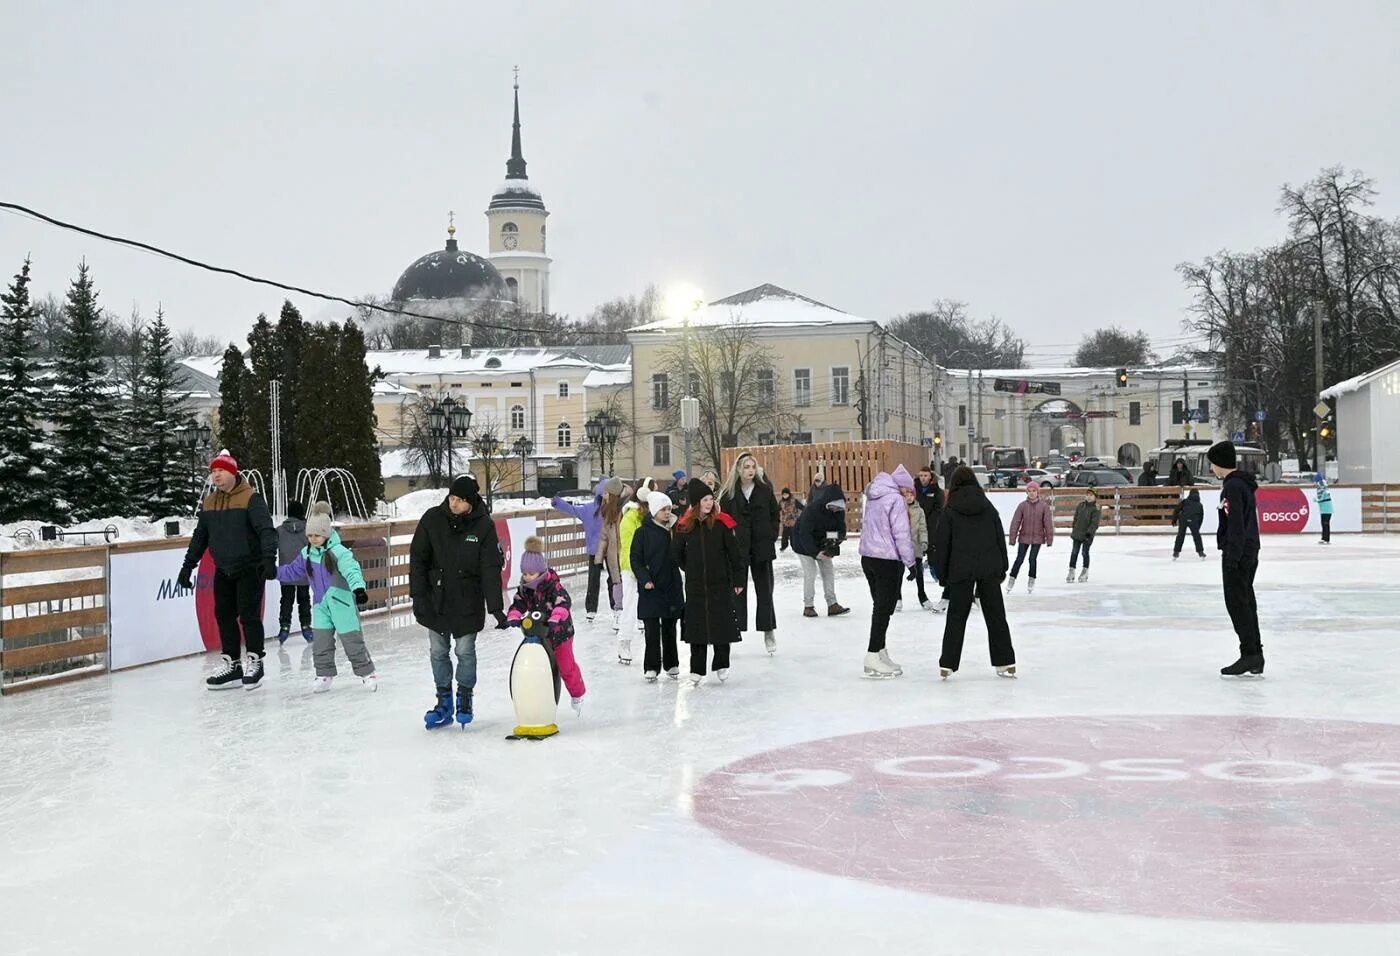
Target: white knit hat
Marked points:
656	501
319	521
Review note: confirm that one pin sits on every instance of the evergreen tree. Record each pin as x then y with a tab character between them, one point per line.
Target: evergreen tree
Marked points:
315	402
233	412
25	467
291	342
87	479
355	424
265	364
161	477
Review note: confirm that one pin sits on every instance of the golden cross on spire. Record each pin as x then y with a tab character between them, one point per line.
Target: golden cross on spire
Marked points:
451	223
517	77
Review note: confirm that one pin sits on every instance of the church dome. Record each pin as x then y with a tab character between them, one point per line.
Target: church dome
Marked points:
449	273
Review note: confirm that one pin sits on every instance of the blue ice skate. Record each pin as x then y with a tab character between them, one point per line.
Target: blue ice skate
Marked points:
441	714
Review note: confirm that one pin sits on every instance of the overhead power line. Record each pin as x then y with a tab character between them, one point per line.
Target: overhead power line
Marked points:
224	270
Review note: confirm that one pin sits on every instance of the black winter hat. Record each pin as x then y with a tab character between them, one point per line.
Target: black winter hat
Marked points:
963	477
296	509
696	490
466	488
1222	454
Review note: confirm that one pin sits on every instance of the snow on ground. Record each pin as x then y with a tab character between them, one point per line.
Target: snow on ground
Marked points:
336	823
127	529
415	503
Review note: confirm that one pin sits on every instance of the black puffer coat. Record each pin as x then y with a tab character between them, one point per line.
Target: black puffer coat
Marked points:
654	564
930	499
817	520
454	570
757	519
970	544
709	555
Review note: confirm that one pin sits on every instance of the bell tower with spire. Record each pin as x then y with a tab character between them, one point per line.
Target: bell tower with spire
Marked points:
516	228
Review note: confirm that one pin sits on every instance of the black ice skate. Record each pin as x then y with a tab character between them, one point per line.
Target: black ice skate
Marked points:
1249	665
229	675
252	671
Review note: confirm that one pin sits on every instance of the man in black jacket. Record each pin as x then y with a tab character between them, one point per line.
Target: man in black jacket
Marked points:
969	556
454	574
236	528
1237	537
816	540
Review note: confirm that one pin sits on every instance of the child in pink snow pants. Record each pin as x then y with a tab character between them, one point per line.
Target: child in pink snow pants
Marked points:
540	590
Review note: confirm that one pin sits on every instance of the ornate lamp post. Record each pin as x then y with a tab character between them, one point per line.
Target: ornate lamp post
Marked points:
603	431
194	439
524	448
450	419
593	428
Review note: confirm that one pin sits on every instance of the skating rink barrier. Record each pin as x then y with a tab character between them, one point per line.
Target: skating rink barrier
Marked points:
56	623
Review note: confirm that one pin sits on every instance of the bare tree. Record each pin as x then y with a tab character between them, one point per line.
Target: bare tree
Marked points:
949	335
187	342
1106	348
733	375
490	455
426	446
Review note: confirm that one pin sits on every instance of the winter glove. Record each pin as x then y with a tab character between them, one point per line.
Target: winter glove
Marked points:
617	595
501	622
361	597
184	579
269	568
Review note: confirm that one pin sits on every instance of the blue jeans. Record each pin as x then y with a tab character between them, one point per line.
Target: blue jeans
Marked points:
439	654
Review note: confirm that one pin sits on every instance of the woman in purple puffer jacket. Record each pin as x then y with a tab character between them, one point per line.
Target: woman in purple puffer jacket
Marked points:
1032	525
591	516
886	550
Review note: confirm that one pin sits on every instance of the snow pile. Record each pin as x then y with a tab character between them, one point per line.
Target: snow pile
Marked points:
127	529
415	503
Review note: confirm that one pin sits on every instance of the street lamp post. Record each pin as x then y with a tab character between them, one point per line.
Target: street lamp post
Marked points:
603	431
193	438
450	419
524	448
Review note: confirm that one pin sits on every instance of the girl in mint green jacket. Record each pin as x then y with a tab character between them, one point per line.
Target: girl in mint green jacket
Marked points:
337	589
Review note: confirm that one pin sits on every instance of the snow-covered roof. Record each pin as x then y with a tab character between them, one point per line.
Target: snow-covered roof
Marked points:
1358	382
395	464
1071	371
477	362
205	364
517	186
384	387
598	378
764	306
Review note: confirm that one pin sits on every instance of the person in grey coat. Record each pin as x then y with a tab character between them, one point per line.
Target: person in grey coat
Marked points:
291	538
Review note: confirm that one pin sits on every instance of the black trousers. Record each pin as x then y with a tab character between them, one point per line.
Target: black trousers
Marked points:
1326	527
786	538
765	618
1195	537
1079	546
918	574
1238	581
961	593
300	594
661	651
595	580
697	657
884	577
238	600
1021	550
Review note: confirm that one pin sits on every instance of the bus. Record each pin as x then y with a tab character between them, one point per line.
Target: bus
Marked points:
1193	451
995	457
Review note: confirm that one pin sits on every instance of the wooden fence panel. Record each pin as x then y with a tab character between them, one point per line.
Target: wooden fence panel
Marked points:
52	630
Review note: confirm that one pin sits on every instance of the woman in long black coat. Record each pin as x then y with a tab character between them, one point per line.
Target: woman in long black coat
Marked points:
969	556
747	497
660	590
705	549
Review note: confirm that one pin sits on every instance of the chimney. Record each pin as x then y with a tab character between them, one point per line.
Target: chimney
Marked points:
466	351
434	351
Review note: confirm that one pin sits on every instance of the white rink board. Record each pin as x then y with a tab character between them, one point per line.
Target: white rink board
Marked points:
1346	505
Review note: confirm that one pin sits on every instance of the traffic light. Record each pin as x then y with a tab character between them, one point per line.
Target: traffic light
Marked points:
1326	431
937	439
1122	378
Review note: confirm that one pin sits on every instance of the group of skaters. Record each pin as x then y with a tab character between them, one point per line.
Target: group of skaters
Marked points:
678	564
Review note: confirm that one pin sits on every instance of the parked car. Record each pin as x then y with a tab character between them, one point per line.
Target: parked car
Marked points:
1043	475
984	477
1094	478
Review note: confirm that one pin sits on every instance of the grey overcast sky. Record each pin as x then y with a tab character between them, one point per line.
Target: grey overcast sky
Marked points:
1048	163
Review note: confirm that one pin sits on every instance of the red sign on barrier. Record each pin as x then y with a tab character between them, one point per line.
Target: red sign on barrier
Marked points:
204	603
1281	510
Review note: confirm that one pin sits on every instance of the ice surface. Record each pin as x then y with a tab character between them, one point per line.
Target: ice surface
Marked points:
140	813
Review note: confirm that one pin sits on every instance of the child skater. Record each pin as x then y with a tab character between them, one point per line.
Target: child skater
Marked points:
1086	524
1324	507
1032	525
661	594
788	510
337	589
706	551
1187	516
540	590
886	549
291	538
918	530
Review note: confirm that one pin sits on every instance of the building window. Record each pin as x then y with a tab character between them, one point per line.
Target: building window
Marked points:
766	391
512	289
1203	410
801	386
1134	414
508	227
962	415
563	389
801	438
841	385
517	418
661	450
493	362
726	384
1178	412
660	390
694	383
565	435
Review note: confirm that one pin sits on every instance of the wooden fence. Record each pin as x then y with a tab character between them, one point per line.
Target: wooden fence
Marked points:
54	623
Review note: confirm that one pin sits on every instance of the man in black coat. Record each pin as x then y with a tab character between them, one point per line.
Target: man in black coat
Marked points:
1148	478
454	574
969	556
817	539
1237	537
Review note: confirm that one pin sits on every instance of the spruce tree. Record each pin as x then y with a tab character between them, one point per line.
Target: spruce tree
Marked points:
25	466
233	413
264	363
161	478
86	481
291	340
359	444
316	401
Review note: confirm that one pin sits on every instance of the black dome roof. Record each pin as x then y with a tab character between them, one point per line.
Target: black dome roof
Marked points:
449	273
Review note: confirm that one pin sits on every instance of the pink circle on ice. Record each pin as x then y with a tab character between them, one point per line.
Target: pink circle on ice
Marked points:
1238	818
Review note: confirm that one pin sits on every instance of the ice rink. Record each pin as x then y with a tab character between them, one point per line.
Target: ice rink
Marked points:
1119	797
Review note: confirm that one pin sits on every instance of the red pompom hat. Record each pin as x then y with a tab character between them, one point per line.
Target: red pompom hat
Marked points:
226	462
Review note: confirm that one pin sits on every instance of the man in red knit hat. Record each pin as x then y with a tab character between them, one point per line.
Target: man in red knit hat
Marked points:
235	526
